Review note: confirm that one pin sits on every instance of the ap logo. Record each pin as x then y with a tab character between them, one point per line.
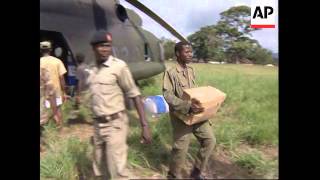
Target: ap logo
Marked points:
263	13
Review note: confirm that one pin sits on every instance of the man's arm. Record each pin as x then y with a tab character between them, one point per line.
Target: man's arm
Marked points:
62	70
146	135
51	97
63	87
129	87
176	103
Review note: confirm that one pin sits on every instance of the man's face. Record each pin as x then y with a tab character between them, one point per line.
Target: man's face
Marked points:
102	51
185	55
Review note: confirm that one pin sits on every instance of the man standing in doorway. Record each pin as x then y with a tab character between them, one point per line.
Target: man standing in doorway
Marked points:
56	69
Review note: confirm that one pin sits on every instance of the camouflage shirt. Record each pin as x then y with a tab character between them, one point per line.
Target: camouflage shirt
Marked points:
46	90
175	80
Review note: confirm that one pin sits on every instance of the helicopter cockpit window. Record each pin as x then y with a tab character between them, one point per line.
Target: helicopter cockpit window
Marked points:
146	52
121	12
58	52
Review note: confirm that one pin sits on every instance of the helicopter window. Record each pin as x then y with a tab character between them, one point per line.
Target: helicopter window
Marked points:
146	52
124	51
121	12
58	52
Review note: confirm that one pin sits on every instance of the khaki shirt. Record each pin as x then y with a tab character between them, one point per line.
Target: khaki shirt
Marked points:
56	69
175	80
107	86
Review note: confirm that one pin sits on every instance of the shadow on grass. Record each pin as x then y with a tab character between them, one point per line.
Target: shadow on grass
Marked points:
77	120
154	156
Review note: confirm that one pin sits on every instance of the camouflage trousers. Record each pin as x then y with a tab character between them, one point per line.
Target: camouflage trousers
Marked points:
110	148
181	140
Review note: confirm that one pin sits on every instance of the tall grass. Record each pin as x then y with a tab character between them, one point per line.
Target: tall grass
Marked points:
67	161
254	162
64	159
249	114
156	155
251	108
250	111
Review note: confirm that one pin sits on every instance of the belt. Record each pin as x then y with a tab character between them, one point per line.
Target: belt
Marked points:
107	118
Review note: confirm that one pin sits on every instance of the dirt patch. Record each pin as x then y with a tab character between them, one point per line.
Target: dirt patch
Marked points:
267	152
220	166
82	131
270	152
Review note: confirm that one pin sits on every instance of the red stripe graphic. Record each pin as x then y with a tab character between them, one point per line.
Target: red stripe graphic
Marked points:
262	26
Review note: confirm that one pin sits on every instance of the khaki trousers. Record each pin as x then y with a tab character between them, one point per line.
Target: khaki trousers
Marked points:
110	148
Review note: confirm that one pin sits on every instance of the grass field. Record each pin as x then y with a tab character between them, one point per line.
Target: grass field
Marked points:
246	127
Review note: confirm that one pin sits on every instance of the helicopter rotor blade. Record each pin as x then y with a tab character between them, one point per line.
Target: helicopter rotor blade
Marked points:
155	17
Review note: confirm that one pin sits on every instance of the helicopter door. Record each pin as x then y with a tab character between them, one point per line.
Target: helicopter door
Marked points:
61	50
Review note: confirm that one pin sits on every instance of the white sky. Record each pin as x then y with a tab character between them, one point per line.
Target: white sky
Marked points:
188	16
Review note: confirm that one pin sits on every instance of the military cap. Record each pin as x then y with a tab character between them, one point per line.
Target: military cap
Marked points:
101	37
45	45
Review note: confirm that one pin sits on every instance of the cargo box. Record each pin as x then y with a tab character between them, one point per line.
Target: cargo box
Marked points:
210	98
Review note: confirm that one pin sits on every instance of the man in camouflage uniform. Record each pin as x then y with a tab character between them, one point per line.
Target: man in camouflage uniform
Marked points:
82	86
56	69
177	78
109	81
46	93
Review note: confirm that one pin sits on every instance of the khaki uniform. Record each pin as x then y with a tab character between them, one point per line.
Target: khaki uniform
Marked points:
82	76
56	68
175	80
107	86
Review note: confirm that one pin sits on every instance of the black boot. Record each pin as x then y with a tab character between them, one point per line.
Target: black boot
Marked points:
196	174
170	176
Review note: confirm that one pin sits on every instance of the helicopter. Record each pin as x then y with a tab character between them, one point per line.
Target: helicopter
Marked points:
70	24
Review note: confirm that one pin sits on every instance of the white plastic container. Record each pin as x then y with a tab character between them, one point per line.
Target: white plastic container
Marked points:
156	105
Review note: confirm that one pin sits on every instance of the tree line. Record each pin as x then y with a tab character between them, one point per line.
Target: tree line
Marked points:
230	40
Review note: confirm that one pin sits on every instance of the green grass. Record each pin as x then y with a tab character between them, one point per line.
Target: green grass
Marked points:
250	111
251	108
153	156
65	159
254	162
248	116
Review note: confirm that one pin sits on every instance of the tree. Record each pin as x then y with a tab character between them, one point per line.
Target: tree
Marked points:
261	55
206	44
168	46
234	28
238	50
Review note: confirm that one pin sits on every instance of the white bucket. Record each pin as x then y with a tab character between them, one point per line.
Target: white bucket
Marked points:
156	104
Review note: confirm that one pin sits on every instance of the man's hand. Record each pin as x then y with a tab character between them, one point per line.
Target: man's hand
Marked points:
65	98
196	106
78	99
145	135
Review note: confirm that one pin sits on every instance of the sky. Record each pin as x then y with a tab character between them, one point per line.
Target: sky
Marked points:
188	16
